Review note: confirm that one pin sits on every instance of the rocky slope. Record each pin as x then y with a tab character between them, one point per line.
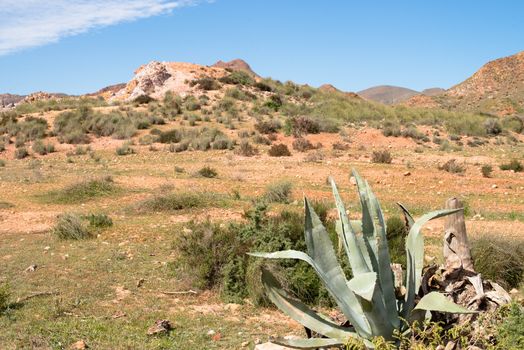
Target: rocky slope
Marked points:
236	64
496	88
156	78
8	100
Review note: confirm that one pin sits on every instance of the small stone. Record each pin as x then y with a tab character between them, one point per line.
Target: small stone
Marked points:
245	344
494	186
407	173
79	345
352	180
160	327
211	332
31	268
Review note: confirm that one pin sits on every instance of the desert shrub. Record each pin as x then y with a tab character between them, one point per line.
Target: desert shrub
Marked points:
238	94
383	157
222	142
206	83
268	126
243	134
191	103
413	132
74	137
238	78
208	172
301	126
279	150
81	150
98	220
515	124
451	166
340	146
21	153
391	130
40	148
82	191
212	255
263	86
2	163
125	149
20	141
514	165
246	149
261	140
315	157
510	331
500	259
486	170
274	102
32	128
170	136
143	99
492	126
70	226
396	232
302	145
5	297
177	201
278	192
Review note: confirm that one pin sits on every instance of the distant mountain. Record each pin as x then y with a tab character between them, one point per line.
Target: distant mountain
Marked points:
236	64
331	88
9	99
387	94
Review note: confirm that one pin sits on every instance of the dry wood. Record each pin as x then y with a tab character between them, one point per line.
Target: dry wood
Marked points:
36	294
456	247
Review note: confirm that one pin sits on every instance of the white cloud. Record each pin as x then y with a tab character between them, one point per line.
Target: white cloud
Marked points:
29	23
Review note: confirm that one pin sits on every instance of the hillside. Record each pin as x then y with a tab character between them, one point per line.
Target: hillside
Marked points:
387	94
236	64
496	88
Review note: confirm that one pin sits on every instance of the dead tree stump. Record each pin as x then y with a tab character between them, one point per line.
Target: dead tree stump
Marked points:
456	247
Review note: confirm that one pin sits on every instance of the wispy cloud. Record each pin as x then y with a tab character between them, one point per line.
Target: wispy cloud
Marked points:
29	23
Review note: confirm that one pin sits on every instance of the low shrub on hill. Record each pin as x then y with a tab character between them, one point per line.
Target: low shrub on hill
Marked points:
81	191
278	192
70	226
451	166
514	165
279	150
302	145
383	157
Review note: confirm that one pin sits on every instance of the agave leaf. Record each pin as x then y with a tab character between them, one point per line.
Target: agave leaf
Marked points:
415	252
363	285
312	343
407	216
300	312
343	296
436	301
358	258
385	273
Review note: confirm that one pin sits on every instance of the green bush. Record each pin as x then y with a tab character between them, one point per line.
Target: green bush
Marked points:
268	126
514	165
492	126
70	226
21	153
177	201
486	170
5	297
302	126
125	149
500	259
383	157
279	192
451	166
396	233
41	148
99	220
510	331
246	149
279	150
82	191
208	172
143	99
238	78
206	84
2	163
212	255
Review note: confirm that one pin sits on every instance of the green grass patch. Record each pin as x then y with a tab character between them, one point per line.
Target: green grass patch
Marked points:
180	201
82	191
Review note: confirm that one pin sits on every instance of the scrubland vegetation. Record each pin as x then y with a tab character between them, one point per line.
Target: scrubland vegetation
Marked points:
142	211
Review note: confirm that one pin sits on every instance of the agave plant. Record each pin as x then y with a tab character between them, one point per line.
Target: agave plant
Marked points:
367	300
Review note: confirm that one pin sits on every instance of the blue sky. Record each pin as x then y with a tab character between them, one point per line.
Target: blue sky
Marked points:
79	46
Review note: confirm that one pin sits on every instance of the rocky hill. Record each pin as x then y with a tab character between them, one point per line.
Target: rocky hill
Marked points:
387	94
236	64
7	100
496	88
